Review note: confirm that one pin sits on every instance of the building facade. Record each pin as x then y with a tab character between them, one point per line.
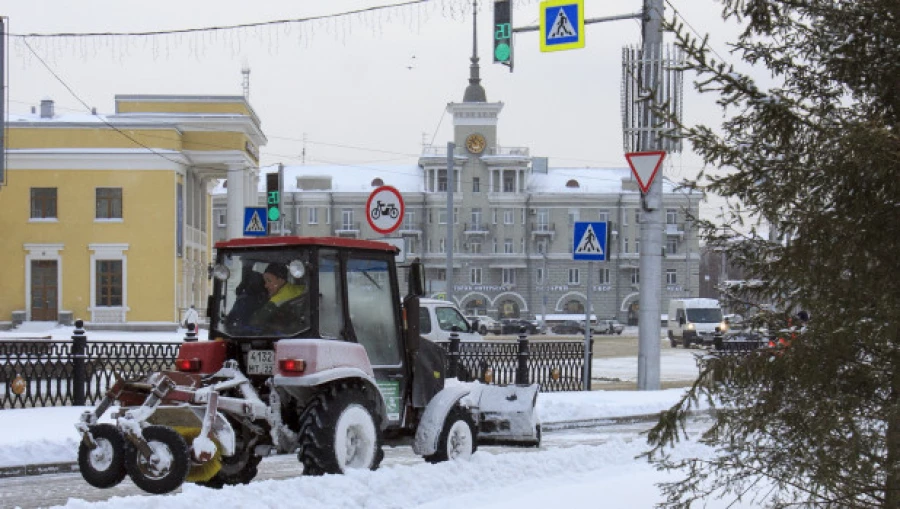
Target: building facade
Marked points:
106	217
512	222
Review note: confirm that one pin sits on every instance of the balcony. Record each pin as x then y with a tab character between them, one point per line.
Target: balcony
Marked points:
543	229
476	229
672	229
347	230
410	230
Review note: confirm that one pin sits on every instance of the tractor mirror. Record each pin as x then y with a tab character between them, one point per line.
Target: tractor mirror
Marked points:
416	278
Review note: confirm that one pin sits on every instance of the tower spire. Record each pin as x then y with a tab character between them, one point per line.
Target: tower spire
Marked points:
474	92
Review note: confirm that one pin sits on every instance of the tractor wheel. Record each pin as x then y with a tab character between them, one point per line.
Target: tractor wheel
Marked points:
482	330
458	438
104	465
168	465
241	468
340	431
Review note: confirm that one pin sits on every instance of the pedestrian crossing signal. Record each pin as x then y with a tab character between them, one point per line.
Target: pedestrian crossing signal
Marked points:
503	33
273	197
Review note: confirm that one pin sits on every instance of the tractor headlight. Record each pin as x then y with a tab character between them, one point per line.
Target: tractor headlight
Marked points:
689	326
221	272
723	327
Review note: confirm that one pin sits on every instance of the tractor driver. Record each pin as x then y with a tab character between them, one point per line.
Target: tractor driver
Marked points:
280	311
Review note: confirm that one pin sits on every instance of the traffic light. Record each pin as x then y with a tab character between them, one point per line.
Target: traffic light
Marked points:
503	33
273	197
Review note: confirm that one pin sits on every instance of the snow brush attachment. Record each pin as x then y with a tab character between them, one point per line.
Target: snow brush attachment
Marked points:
201	472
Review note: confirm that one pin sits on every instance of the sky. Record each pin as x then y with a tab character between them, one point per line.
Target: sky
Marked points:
358	89
608	475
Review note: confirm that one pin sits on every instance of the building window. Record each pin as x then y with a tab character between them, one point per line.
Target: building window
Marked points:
603	276
442	180
671	246
636	276
539	276
671	216
574	276
109	203
542	246
475	247
509	276
625	246
508	246
442	216
221	220
476	184
347	219
475	275
312	215
494	216
507	216
495	245
603	216
476	219
638	216
543	220
523	215
441	275
411	245
509	183
43	203
109	283
573	216
637	246
671	276
442	245
409	221
572	184
328	215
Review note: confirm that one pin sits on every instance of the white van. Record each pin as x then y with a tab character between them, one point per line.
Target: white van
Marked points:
437	318
694	321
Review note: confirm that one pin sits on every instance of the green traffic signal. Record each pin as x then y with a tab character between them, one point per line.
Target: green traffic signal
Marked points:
501	52
274	214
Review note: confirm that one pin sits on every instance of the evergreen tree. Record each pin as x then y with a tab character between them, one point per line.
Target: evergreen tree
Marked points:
816	158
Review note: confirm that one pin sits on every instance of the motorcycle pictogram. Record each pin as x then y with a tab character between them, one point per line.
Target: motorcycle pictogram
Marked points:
386	209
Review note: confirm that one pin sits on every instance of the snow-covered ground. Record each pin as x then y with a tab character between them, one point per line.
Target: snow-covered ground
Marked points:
607	475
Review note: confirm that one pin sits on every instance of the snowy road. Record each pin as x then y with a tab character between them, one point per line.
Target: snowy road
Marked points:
58	489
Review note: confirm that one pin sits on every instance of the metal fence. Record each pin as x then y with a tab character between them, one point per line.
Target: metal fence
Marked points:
43	373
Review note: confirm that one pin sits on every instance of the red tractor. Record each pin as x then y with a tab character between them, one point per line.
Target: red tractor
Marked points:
311	351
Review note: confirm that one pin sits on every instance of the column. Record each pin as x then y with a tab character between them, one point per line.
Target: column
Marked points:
234	213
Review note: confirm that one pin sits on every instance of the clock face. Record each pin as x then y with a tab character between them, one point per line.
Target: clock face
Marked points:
475	143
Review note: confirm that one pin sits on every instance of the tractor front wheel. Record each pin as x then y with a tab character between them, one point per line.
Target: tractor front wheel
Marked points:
340	431
242	467
167	466
458	438
104	465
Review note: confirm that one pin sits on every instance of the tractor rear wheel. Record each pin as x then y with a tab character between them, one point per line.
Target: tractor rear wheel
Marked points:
340	430
104	465
168	465
458	438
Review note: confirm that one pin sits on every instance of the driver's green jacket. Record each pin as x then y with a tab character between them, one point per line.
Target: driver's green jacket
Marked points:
272	309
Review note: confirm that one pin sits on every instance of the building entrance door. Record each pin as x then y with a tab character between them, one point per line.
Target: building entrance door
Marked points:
44	289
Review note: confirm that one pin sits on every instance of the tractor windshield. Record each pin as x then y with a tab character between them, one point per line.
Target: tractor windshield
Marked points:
262	293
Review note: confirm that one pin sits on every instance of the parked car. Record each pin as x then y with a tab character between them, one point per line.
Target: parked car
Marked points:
568	327
437	318
514	326
485	324
608	327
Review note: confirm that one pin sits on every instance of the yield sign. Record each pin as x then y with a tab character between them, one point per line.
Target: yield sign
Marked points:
644	165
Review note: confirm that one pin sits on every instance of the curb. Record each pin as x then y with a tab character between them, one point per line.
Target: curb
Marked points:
38	469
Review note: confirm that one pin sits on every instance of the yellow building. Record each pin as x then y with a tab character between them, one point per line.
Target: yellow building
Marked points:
107	217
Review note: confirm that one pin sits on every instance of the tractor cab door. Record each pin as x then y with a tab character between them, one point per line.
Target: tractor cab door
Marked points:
374	321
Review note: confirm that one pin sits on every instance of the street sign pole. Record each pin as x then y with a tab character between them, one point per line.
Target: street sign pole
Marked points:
651	225
448	248
587	330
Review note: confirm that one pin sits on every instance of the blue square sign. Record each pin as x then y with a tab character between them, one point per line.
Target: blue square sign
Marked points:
589	241
255	222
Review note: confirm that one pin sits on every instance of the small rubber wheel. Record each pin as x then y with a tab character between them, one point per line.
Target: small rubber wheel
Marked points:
104	465
168	465
458	438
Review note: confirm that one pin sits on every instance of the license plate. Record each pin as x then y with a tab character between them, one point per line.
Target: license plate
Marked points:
260	362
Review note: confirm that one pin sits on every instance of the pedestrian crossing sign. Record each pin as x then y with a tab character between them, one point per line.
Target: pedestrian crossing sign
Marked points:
589	241
255	222
562	25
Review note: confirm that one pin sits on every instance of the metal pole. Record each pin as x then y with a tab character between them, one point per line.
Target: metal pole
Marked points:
2	100
451	147
651	226
588	331
544	293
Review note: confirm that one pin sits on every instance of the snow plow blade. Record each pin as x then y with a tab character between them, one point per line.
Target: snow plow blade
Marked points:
508	415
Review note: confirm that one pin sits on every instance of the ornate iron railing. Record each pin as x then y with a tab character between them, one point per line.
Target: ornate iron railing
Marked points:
42	372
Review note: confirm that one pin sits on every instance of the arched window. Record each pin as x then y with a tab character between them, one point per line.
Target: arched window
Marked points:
573	184
377	182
